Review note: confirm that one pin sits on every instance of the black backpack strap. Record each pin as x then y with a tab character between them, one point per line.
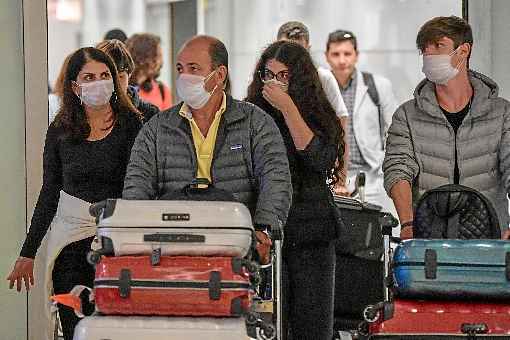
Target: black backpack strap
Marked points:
368	79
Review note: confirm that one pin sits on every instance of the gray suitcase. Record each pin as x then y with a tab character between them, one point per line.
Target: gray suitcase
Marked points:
157	328
173	228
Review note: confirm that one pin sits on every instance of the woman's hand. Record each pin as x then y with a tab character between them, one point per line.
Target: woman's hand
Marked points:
275	96
23	270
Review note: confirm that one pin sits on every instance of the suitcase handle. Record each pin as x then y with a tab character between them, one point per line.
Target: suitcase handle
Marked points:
177	238
124	283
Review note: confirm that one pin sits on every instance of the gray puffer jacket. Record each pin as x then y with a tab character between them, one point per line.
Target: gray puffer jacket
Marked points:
249	160
421	144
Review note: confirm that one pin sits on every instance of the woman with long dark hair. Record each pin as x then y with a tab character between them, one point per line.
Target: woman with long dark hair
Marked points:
86	153
286	85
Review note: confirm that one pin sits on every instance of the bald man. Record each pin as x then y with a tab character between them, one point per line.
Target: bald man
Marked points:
210	135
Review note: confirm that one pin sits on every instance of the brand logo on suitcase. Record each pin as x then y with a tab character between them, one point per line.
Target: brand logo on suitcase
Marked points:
176	217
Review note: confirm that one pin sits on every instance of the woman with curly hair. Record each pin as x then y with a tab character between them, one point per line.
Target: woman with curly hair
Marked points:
86	153
145	48
286	85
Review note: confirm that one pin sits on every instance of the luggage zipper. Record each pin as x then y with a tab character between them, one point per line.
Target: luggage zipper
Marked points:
112	283
450	264
177	227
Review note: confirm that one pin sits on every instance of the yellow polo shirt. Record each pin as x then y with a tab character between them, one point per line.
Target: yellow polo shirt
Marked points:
204	145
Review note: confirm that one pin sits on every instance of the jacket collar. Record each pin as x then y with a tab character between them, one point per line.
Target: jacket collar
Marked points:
231	114
484	90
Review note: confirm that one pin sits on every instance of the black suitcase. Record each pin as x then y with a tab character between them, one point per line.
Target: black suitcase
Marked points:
359	269
360	235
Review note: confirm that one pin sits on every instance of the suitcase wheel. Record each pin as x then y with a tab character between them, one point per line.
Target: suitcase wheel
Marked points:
266	331
238	264
251	319
372	313
93	257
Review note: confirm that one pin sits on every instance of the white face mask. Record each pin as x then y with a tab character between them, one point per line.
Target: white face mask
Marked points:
191	89
96	93
283	86
438	67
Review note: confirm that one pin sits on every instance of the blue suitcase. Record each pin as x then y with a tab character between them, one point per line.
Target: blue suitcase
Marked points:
452	269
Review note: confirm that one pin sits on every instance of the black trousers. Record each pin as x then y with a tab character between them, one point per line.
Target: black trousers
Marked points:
308	292
71	269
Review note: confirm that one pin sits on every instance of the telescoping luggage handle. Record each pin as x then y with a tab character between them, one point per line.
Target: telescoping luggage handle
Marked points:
383	309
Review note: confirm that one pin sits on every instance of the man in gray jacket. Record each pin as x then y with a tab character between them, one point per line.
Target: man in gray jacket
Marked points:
234	144
455	130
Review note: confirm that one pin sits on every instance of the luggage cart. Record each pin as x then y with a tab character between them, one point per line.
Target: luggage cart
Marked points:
268	304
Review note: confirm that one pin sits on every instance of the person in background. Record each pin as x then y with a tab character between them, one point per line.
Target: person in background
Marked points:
456	130
115	33
287	86
369	117
125	67
145	49
86	152
55	98
297	32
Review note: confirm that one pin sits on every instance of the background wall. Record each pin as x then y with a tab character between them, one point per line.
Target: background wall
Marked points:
491	32
91	19
386	32
13	311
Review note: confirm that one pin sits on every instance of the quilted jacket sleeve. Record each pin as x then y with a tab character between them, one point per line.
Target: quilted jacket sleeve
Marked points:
141	174
271	168
399	161
504	149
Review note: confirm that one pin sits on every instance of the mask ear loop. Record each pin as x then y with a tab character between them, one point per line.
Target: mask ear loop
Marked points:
460	61
79	96
207	79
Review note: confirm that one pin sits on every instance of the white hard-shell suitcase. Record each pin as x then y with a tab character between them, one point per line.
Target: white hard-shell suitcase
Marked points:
173	228
157	328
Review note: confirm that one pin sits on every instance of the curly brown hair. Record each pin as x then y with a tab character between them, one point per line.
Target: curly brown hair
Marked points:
143	48
306	92
72	118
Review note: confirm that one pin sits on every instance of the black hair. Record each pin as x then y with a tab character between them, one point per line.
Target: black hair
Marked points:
339	36
115	33
305	90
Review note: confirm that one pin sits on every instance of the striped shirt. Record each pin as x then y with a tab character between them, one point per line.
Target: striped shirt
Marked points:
356	160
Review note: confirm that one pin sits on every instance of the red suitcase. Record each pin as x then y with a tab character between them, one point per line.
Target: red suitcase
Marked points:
184	286
419	319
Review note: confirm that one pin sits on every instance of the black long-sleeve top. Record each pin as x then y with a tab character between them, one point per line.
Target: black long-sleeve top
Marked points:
90	170
311	216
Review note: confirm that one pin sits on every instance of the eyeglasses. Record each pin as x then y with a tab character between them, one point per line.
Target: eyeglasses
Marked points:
267	75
